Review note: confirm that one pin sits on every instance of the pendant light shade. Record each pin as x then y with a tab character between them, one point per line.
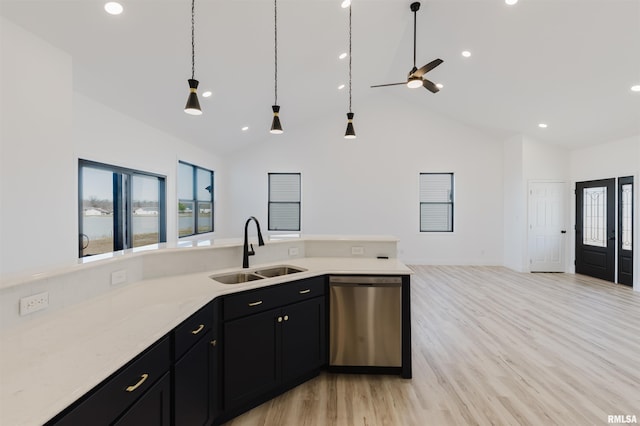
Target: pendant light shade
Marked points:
276	127
350	133
193	105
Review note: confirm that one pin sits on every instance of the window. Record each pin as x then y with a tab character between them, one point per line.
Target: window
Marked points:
195	200
118	208
436	202
284	201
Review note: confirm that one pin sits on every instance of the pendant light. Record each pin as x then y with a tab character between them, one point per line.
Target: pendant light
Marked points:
350	133
276	126
193	106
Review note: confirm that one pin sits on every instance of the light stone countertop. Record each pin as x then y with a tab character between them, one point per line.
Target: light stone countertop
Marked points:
48	363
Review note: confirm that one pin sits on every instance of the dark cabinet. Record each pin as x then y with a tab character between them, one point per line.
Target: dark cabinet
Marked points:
154	408
195	369
270	351
140	390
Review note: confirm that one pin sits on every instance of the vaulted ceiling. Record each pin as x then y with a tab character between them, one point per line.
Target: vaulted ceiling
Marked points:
567	63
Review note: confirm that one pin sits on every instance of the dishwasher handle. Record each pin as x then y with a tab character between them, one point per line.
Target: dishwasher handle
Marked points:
370	281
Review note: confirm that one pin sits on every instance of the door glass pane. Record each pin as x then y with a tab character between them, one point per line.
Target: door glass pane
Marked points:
186	220
594	216
626	225
145	198
97	211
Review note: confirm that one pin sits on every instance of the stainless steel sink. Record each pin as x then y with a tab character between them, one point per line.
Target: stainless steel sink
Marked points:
278	271
244	277
236	278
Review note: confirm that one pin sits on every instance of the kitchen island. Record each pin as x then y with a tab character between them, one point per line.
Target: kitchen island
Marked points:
49	362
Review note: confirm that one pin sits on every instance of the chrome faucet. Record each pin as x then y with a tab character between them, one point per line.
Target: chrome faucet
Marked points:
246	252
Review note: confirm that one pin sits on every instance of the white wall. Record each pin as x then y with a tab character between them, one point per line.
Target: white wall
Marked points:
46	127
37	192
610	160
515	202
370	185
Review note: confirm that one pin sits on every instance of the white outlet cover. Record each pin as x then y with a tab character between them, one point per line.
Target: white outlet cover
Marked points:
34	303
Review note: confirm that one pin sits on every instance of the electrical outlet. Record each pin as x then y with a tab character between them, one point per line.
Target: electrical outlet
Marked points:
34	303
118	277
357	250
293	251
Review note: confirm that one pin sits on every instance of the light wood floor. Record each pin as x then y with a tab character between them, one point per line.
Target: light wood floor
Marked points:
491	347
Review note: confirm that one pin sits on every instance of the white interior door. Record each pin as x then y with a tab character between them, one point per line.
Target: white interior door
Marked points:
547	231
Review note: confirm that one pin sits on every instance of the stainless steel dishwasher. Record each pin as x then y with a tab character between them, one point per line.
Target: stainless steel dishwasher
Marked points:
365	321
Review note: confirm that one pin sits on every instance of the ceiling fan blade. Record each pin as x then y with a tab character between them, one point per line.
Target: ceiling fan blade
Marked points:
431	65
390	84
430	86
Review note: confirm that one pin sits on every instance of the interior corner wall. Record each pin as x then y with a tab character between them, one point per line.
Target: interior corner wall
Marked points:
46	127
36	154
515	202
370	185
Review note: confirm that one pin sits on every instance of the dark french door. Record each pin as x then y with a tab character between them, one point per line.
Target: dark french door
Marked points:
595	228
596	232
625	230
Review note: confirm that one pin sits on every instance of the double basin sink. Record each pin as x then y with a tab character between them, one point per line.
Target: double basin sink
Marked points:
243	277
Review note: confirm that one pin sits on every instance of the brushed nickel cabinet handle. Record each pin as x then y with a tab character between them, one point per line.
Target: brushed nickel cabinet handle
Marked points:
214	342
279	319
143	378
259	302
286	317
305	291
197	330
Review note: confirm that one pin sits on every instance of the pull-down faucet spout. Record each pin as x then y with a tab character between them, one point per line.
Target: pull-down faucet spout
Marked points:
246	252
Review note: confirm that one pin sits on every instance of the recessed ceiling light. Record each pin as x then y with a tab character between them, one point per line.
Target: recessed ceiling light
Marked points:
343	55
439	85
542	125
113	8
345	4
206	94
635	88
466	53
341	87
245	128
511	2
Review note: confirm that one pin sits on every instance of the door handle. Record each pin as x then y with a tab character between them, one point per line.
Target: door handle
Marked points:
564	231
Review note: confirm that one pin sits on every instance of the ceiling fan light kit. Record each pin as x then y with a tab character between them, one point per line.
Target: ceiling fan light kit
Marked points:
193	105
416	78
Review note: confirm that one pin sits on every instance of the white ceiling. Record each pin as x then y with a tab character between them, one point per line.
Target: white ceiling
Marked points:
568	63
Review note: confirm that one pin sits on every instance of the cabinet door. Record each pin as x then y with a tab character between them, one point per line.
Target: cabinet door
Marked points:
250	354
153	408
303	338
194	385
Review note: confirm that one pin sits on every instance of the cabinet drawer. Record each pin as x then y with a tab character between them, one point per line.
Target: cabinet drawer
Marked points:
251	302
192	329
119	392
303	289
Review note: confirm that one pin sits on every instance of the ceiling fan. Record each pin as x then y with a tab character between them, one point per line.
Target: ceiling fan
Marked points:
415	78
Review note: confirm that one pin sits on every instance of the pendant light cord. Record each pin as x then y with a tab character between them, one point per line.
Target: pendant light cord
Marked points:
193	43
275	49
349	58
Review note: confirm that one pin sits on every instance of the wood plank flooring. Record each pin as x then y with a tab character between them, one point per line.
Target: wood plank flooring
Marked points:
490	347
